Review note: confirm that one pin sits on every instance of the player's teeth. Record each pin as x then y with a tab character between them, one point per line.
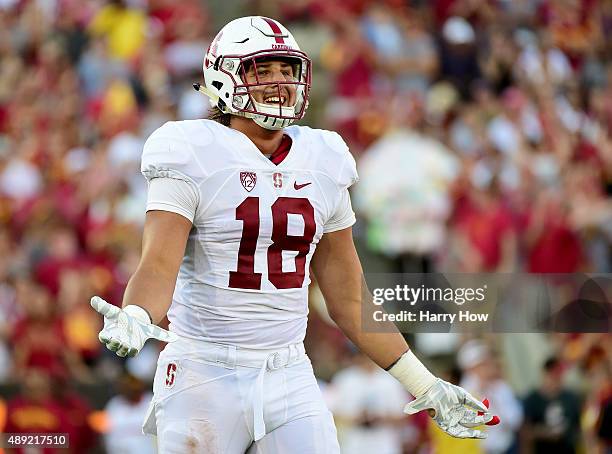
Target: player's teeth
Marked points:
275	99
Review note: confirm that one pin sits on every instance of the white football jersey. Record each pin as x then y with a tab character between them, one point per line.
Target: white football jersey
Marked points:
244	278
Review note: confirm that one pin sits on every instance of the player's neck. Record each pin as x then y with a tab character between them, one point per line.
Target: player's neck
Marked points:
266	140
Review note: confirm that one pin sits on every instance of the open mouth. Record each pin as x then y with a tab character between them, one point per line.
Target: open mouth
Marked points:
275	100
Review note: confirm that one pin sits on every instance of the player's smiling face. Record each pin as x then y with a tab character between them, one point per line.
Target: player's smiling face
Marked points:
265	71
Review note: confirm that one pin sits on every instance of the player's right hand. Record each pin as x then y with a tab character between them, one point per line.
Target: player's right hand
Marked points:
126	330
457	412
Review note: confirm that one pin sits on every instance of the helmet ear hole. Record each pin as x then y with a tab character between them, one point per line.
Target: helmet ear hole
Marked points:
217	84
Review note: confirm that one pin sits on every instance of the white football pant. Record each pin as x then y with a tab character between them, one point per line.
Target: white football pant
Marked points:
219	399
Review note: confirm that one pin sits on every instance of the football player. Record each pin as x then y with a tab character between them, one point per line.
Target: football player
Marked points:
240	207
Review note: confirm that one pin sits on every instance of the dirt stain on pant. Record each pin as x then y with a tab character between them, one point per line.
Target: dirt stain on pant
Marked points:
202	437
196	436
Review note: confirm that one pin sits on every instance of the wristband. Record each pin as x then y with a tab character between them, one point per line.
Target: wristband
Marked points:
413	374
138	313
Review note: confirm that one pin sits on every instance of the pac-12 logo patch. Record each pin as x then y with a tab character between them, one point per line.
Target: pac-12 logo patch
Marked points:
248	180
171	374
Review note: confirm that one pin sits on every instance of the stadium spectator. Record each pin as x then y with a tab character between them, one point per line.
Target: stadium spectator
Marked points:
35	410
368	405
125	413
552	414
122	26
407	209
481	375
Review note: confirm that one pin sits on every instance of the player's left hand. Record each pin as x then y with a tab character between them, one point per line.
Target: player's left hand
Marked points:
126	331
457	412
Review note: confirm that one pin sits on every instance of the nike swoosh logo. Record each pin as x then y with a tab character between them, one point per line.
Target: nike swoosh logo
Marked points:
297	187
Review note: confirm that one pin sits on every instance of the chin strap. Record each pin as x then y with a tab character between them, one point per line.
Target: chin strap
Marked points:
202	89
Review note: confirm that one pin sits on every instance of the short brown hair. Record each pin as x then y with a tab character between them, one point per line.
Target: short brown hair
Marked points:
215	114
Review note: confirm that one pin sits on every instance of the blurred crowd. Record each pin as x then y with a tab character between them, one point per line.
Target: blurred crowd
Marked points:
483	135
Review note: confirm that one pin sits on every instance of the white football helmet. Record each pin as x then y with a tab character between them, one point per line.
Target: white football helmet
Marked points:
242	43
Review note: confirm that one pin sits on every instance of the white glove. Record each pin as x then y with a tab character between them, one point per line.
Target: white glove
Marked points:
126	330
456	410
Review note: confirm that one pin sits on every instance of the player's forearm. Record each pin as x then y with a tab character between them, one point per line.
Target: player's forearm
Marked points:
340	277
151	287
383	348
389	349
345	291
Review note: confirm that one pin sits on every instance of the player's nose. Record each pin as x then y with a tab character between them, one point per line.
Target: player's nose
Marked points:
277	75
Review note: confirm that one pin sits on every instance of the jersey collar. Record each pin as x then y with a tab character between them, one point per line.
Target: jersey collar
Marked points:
282	151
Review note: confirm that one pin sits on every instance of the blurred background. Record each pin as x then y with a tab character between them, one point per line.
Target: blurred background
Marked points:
483	135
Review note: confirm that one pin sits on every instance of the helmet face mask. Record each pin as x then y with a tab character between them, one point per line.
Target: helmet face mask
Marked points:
233	76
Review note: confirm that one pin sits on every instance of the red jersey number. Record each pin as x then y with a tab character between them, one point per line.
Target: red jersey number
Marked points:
248	212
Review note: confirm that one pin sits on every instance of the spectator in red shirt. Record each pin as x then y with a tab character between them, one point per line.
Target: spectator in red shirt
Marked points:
38	339
77	411
485	223
35	410
62	253
553	245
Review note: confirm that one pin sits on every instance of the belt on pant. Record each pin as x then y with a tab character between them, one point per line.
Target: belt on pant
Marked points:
231	356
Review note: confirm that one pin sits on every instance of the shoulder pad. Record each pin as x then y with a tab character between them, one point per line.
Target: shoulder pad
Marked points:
168	153
346	171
